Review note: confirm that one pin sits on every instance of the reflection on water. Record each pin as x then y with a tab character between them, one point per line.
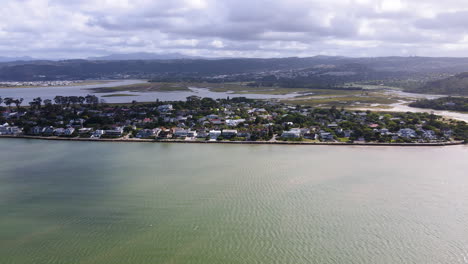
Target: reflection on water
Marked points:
94	202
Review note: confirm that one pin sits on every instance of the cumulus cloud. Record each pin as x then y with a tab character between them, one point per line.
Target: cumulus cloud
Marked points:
248	28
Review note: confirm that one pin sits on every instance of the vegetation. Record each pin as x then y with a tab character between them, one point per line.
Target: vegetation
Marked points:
455	85
257	120
445	103
143	87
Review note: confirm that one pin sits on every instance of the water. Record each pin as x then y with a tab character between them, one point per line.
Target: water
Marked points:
93	202
28	94
402	106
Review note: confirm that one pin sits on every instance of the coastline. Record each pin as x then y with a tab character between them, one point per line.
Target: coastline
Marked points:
436	144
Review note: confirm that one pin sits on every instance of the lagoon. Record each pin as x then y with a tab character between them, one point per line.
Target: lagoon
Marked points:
28	94
96	202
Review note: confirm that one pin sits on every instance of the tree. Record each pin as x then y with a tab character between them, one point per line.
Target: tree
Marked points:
37	102
58	100
18	102
81	100
91	99
8	101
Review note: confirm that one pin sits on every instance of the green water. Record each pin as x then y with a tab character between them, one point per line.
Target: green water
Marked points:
91	202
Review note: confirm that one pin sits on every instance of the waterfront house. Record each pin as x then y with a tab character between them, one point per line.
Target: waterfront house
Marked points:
116	132
98	133
6	129
69	131
48	131
147	133
347	133
214	134
229	133
36	130
202	134
293	133
85	130
191	134
180	133
326	136
59	131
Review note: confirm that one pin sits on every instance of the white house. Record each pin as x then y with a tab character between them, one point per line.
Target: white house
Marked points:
214	134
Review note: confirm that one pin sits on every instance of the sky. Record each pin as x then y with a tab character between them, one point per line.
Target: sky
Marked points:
234	28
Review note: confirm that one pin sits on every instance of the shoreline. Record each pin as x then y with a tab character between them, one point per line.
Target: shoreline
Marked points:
436	144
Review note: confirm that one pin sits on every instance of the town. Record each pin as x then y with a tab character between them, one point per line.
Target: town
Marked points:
231	119
39	83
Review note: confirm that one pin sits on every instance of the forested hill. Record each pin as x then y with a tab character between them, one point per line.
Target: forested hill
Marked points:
363	68
456	85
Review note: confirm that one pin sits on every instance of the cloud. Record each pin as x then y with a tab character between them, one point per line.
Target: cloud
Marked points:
260	28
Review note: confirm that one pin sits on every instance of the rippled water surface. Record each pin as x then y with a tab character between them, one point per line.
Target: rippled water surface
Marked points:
92	202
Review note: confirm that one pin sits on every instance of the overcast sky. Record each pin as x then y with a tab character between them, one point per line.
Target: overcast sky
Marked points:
246	28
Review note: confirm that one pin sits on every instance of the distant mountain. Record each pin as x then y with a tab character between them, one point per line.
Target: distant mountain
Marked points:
144	56
10	59
455	85
323	69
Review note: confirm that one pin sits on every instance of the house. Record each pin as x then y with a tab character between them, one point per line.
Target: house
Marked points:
429	134
36	130
6	129
97	133
85	130
447	133
234	122
293	133
191	134
384	131
217	121
229	133
146	133
244	134
165	133
59	131
214	134
326	136
48	131
347	133
116	132
165	108
407	133
202	134
69	131
180	133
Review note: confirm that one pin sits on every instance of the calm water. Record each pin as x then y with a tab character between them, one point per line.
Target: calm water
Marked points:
92	202
28	94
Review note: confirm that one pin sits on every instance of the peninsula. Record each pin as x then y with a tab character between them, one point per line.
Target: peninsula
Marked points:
230	120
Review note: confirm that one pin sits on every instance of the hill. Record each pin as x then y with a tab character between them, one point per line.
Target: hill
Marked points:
455	85
144	56
305	72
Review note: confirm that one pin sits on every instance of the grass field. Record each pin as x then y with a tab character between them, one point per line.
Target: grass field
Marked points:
371	97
